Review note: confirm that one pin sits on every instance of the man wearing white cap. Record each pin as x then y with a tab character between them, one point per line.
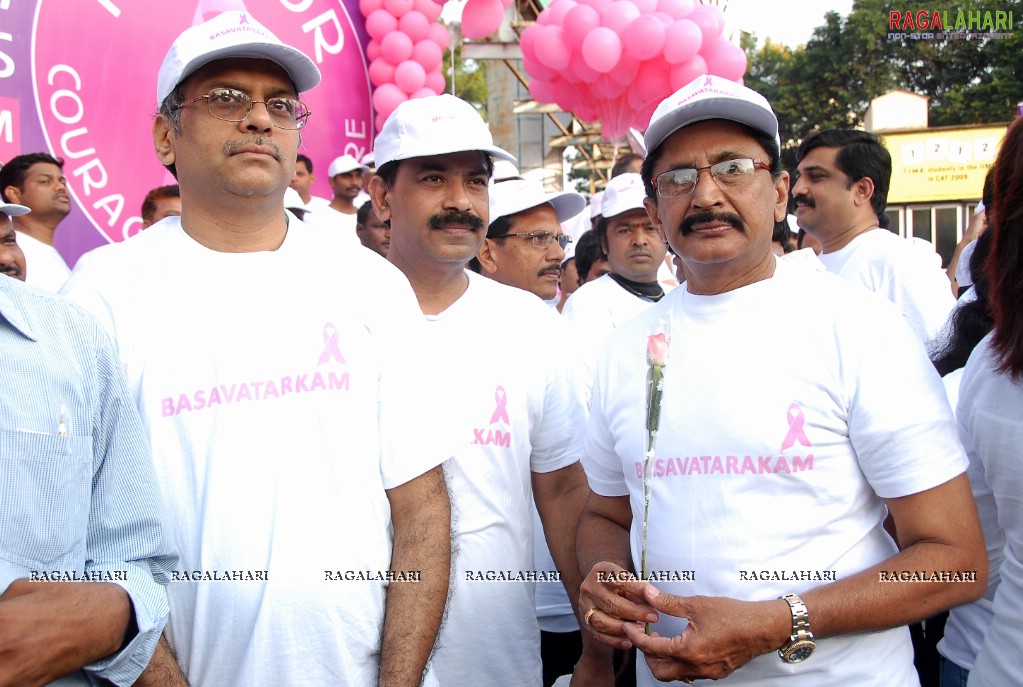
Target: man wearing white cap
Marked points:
635	252
525	244
299	472
12	259
766	487
83	556
345	175
513	400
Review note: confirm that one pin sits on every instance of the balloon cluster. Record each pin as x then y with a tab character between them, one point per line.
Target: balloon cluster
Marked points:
405	51
615	60
480	18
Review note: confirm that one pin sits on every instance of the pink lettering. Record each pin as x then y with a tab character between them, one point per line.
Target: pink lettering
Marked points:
765	464
481	440
733	465
717	466
503	439
300	384
183	403
214	398
200	399
672	470
747	465
229	394
694	467
659	467
167	406
340	383
258	386
800	464
271	390
244	394
286	385
782	465
706	464
318	382
639	465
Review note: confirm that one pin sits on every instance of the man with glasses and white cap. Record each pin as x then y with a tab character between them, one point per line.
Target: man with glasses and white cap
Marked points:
767	485
83	556
514	402
525	244
302	487
12	259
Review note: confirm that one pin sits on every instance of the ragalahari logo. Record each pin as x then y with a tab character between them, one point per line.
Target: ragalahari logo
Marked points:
933	24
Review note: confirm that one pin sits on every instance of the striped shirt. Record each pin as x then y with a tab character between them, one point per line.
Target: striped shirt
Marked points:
78	494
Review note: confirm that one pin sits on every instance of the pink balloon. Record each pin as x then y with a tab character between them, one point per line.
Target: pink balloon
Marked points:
726	60
678	9
538	71
386	97
398	7
709	19
682	40
615	117
436	83
480	18
579	21
396	47
542	91
618	15
583	71
429	9
415	25
645	6
373	50
652	82
602	49
551	50
428	54
507	3
527	41
439	35
379	120
367	7
626	70
606	88
641	120
380	72
380	23
644	37
665	18
684	74
422	93
557	10
409	76
598	5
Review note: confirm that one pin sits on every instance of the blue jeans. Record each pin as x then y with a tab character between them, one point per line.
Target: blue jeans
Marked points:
952	675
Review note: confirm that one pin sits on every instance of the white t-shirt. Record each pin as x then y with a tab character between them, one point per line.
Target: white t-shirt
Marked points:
963	276
269	385
598	307
517	403
768	465
890	265
328	218
44	266
991	427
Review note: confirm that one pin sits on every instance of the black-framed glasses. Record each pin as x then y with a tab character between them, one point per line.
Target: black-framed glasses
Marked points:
682	182
542	239
230	105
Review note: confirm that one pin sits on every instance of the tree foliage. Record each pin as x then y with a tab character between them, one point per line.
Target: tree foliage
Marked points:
470	76
829	82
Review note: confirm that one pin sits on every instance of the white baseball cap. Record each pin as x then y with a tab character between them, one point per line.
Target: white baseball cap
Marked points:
710	97
231	34
14	210
367	160
595	202
345	163
623	193
516	195
292	199
505	170
435	125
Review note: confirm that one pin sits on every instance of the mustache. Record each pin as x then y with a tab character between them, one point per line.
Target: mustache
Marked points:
705	217
232	147
438	220
553	269
12	271
804	199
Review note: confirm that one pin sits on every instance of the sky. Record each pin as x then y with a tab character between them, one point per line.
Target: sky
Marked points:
790	23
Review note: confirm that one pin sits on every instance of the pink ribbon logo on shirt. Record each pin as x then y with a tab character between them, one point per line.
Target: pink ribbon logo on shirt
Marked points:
796	433
330	350
501	412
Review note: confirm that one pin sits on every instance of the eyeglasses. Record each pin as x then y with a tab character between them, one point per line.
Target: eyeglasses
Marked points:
730	173
230	105
542	239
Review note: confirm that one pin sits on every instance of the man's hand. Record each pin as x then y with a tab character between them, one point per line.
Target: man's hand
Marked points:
51	629
610	598
163	670
593	670
723	634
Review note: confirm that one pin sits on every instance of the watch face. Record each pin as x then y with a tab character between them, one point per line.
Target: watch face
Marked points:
799	652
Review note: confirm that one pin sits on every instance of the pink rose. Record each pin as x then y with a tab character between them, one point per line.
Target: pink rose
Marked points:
657	349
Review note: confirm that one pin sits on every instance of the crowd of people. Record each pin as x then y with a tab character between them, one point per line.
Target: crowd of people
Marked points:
448	428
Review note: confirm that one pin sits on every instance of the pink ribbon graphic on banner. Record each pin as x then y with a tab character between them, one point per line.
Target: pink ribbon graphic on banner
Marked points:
501	412
796	432
330	350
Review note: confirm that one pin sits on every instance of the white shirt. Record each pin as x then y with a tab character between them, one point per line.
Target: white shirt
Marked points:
44	266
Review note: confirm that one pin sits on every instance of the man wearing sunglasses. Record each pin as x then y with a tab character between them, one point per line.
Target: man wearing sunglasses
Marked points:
296	464
759	511
525	245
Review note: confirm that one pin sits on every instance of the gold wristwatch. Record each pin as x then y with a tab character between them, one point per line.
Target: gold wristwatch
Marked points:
800	645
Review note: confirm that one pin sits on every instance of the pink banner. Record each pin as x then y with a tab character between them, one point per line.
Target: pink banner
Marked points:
78	80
